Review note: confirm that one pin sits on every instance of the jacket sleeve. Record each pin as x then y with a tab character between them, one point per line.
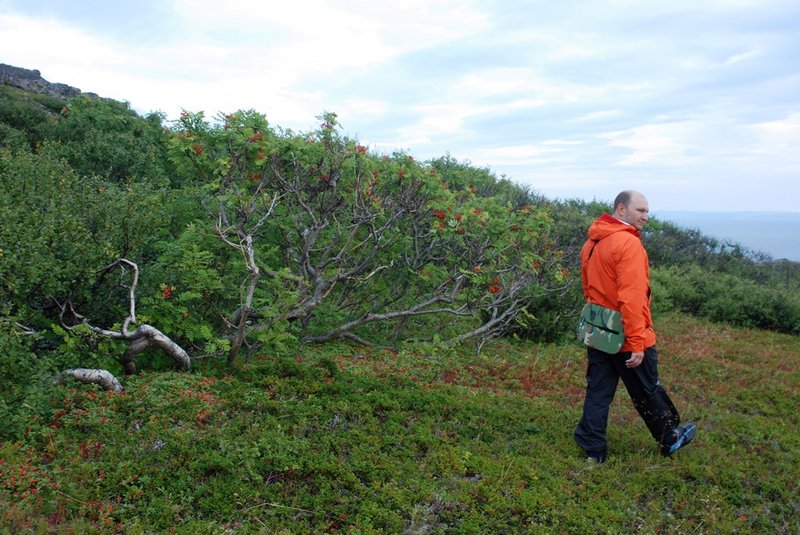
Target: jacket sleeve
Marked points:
632	283
584	269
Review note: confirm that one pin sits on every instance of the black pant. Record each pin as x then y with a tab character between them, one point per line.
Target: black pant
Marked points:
649	398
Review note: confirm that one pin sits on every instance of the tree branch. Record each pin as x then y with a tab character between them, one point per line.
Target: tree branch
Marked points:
143	337
103	378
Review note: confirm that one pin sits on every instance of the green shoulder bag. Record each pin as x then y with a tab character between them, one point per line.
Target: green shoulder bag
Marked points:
601	328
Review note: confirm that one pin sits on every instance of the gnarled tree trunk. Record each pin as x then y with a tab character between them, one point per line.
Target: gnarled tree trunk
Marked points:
143	337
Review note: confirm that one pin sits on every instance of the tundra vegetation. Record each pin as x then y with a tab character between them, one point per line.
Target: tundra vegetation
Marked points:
216	324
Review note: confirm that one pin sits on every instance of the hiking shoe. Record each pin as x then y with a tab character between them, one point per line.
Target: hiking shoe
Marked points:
685	434
596	457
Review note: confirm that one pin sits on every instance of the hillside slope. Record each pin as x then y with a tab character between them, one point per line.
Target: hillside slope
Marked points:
351	441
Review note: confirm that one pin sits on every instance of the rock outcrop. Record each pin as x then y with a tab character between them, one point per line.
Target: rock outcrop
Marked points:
31	80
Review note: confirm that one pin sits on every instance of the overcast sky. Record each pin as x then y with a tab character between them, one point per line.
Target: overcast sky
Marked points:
694	103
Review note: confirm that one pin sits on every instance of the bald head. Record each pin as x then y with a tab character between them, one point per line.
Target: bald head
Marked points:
632	207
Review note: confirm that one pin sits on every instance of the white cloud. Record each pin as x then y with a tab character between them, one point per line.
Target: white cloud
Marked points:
696	92
781	133
778	142
435	121
528	154
597	116
742	56
561	142
68	52
653	144
322	36
359	109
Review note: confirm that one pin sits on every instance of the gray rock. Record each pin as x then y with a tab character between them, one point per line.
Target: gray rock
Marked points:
31	80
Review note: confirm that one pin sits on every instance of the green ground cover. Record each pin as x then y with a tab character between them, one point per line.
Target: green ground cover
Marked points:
350	440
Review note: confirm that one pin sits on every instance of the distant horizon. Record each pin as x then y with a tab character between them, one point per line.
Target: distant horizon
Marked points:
732	212
761	231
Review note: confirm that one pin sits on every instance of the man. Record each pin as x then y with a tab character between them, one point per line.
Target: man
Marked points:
615	273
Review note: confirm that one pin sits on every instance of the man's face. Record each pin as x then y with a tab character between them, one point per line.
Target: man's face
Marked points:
636	213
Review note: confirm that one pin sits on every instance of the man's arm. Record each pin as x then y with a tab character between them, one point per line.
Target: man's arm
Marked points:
584	267
632	296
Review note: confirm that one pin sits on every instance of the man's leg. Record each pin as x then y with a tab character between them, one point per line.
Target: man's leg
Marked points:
649	397
601	384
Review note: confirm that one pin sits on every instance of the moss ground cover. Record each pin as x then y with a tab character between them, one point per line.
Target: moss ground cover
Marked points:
349	440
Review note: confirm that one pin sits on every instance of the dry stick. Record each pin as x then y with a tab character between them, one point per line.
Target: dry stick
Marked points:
279	506
505	472
67	496
268	504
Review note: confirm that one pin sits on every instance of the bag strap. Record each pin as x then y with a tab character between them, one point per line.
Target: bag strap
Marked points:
592	249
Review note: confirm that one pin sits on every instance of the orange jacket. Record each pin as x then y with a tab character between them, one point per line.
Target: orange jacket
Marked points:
616	275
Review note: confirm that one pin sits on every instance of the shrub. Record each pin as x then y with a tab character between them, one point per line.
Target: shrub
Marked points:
334	241
20	113
60	229
105	138
725	298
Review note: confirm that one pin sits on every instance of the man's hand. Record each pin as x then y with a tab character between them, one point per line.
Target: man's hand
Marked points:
636	358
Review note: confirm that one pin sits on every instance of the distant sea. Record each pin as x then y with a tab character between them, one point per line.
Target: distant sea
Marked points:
774	233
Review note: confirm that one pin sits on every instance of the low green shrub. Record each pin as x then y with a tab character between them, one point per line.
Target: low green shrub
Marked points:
726	298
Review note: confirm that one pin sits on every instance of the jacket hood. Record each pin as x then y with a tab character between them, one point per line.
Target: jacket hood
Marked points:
606	225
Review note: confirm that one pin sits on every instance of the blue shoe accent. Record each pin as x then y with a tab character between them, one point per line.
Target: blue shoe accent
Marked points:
685	435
